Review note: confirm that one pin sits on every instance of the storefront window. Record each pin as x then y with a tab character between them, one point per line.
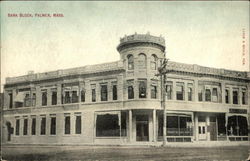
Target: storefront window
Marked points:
176	126
108	125
237	126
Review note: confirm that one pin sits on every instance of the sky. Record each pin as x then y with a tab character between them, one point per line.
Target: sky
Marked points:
203	33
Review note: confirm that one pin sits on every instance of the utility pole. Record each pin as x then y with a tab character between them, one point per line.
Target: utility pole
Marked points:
162	73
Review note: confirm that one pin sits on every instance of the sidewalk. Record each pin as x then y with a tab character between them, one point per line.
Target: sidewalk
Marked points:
142	144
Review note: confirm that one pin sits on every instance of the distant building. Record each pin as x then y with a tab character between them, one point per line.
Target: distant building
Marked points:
120	102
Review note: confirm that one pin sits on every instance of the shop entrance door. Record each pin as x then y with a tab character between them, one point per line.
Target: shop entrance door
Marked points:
213	128
202	131
142	128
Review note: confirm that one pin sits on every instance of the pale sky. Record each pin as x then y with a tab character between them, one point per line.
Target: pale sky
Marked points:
203	33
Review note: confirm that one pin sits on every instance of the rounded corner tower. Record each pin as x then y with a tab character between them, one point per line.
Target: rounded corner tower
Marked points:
141	55
141	52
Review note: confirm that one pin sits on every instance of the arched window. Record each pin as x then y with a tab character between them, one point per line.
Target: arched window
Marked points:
153	62
142	89
142	61
130	62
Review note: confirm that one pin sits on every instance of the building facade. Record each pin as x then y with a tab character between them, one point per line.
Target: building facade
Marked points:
121	102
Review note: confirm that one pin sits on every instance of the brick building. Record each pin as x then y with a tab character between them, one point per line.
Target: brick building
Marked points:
120	102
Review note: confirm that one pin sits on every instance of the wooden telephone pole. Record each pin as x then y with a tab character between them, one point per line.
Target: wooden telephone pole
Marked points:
162	73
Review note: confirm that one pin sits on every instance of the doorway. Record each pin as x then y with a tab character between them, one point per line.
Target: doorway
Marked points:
213	128
9	131
142	128
202	131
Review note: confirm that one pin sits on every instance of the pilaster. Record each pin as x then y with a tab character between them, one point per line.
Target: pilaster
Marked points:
38	96
223	95
130	126
59	93
196	90
174	90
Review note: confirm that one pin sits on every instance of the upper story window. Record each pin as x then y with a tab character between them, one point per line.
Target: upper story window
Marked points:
142	89
67	124
17	126
78	123
33	126
235	97
142	61
208	95
200	93
179	91
67	98
34	99
130	89
104	92
93	95
71	94
227	95
169	90
215	95
43	126
130	62
93	92
153	91
44	97
27	100
25	126
190	92
153	62
244	97
83	95
54	97
74	96
53	125
10	100
114	91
